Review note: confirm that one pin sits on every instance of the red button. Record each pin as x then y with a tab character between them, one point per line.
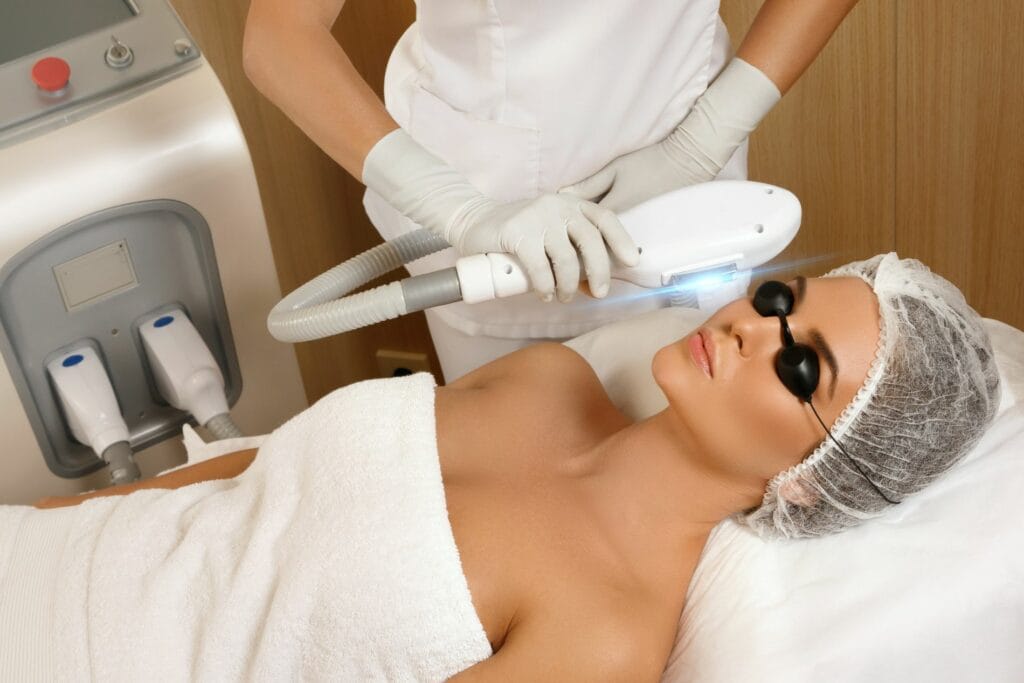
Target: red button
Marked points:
51	74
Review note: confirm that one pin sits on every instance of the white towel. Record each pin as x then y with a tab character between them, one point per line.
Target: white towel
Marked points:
197	450
330	558
31	546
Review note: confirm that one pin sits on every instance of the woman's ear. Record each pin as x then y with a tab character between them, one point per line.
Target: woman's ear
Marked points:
799	493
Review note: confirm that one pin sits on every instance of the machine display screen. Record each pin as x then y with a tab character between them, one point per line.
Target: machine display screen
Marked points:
27	26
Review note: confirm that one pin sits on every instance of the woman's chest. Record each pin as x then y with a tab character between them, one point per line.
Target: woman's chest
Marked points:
519	522
513	546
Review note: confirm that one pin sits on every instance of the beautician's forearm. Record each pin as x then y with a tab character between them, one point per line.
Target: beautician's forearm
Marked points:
787	36
292	58
223	467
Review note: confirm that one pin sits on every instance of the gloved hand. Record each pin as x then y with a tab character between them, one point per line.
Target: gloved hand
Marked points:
543	233
695	152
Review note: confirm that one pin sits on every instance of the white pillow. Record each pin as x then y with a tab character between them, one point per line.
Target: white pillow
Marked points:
621	354
931	591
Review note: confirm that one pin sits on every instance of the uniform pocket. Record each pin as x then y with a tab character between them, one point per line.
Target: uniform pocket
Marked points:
501	160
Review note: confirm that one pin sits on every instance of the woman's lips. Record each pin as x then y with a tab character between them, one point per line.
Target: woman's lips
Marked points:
709	349
699	352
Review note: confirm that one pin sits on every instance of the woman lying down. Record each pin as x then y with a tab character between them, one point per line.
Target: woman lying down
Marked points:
515	525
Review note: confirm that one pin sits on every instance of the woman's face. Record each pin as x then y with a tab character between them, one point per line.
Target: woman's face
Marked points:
741	420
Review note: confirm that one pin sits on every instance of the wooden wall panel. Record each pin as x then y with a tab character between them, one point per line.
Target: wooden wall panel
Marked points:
960	158
831	140
313	207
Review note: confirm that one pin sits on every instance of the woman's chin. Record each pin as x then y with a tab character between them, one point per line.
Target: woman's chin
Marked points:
658	371
670	368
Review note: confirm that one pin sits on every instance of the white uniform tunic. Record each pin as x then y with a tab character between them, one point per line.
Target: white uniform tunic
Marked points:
526	96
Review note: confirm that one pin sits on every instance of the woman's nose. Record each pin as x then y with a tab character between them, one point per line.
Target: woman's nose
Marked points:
755	333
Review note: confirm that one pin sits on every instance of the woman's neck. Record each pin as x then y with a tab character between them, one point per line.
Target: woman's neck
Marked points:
655	499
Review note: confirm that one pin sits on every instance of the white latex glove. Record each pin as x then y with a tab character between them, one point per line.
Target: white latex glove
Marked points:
543	233
695	152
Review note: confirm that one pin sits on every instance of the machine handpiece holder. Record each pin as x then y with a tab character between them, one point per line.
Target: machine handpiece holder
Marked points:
707	237
90	407
185	371
87	398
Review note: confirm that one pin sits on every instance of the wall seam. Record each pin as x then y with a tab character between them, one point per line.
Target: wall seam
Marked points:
895	158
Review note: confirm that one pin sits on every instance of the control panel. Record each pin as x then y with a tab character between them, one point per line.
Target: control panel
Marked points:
60	59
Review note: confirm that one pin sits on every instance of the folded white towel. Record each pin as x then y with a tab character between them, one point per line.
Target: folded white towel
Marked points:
330	558
197	450
30	554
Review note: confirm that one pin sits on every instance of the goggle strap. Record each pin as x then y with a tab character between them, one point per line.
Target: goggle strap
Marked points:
862	473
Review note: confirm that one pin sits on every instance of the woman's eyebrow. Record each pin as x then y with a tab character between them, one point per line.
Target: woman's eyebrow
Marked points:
823	349
801	288
818	341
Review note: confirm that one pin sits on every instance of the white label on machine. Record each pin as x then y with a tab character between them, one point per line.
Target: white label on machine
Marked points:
95	276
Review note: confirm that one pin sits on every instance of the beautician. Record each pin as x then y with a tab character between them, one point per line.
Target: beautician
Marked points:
506	120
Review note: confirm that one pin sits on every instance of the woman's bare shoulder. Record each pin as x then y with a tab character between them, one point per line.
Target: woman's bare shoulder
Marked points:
547	362
550	377
545	399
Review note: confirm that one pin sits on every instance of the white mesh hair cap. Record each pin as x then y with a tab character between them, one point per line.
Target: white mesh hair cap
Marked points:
929	395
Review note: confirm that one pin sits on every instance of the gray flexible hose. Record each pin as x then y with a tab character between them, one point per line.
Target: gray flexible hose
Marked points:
121	463
315	310
223	427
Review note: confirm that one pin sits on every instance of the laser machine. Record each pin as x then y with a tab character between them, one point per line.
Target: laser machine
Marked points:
135	267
